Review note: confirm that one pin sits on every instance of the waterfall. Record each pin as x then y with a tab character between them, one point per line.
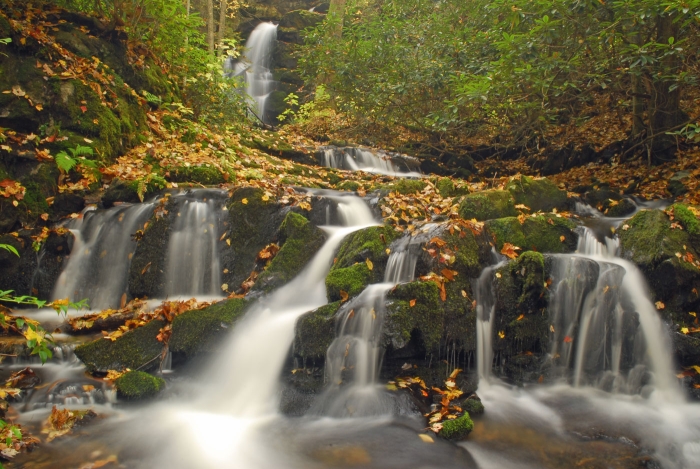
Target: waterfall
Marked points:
362	159
192	266
485	315
256	67
99	262
255	354
353	359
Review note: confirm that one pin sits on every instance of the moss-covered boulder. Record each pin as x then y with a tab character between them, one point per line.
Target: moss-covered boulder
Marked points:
457	429
299	240
446	188
200	330
136	349
148	264
404	186
542	233
665	254
314	332
351	280
137	385
487	205
370	243
473	405
522	323
537	194
252	224
201	174
422	322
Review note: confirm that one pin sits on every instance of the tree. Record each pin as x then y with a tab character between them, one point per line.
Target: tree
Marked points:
223	7
210	25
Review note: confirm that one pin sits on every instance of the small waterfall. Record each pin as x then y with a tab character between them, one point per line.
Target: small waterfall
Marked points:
193	256
606	326
361	159
256	352
485	315
256	67
99	262
354	358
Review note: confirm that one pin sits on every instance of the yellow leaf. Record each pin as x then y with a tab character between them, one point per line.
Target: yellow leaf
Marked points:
370	266
343	296
425	438
693	314
502	334
31	334
244	201
684	330
562	238
551	328
224	287
412	303
520	317
464	294
498	275
388	251
659	305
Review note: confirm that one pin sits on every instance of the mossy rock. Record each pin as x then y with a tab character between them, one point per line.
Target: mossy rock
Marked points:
137	385
686	218
487	205
542	233
473	406
204	174
136	349
369	243
351	280
537	194
299	240
348	186
457	429
300	19
314	332
446	188
148	264
120	191
40	184
424	320
250	227
521	299
404	186
200	330
648	240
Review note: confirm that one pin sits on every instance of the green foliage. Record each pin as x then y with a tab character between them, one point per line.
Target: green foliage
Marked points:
512	65
66	162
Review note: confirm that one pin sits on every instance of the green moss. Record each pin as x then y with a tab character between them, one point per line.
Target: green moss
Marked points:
348	186
487	205
369	243
686	218
204	174
40	185
457	429
315	331
199	330
405	186
299	240
136	385
351	280
540	233
136	349
537	194
473	406
426	317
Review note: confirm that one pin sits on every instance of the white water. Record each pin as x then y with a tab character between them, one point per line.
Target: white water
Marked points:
98	266
360	159
256	67
192	263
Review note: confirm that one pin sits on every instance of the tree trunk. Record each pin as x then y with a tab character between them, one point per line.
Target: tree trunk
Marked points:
336	11
223	7
210	25
638	125
665	112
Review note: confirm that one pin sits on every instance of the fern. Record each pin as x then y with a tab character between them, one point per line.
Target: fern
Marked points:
81	151
65	162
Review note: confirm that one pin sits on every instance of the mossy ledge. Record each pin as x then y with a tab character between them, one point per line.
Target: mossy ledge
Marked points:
424	320
314	333
351	280
457	429
537	194
137	385
542	233
487	205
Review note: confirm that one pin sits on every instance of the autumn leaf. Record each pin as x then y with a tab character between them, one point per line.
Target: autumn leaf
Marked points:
443	293
437	242
520	318
568	339
244	201
84	109
412	303
370	266
449	274
343	296
562	238
659	305
502	334
508	250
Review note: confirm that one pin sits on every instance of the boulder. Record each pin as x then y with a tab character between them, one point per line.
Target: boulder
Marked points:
487	205
542	233
423	322
677	183
537	194
314	333
351	280
457	429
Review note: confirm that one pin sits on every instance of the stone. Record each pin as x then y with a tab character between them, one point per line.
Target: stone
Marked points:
487	205
537	194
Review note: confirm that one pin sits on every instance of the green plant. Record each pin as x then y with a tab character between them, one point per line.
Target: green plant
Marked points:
151	98
66	162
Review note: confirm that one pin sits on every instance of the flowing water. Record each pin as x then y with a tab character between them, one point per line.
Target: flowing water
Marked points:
256	68
362	159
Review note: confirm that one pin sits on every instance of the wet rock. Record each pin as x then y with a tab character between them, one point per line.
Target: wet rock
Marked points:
148	264
299	241
542	233
66	203
677	183
662	253
472	405
136	349
300	19
420	325
621	209
369	243
313	334
537	194
487	205
120	191
199	331
137	385
203	174
446	188
351	280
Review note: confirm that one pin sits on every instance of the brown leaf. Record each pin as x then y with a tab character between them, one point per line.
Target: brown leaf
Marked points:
412	303
343	296
508	250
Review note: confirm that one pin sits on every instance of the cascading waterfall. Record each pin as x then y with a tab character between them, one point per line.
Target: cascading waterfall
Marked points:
353	359
99	262
485	315
193	256
361	159
257	66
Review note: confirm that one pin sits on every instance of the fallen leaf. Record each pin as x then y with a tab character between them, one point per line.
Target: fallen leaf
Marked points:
562	238
412	303
370	266
426	438
244	201
659	305
568	339
83	108
502	334
508	250
343	296
520	318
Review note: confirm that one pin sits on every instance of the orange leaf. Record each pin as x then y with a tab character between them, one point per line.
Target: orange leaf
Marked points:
412	303
508	250
568	339
343	296
437	242
449	274
83	108
443	293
